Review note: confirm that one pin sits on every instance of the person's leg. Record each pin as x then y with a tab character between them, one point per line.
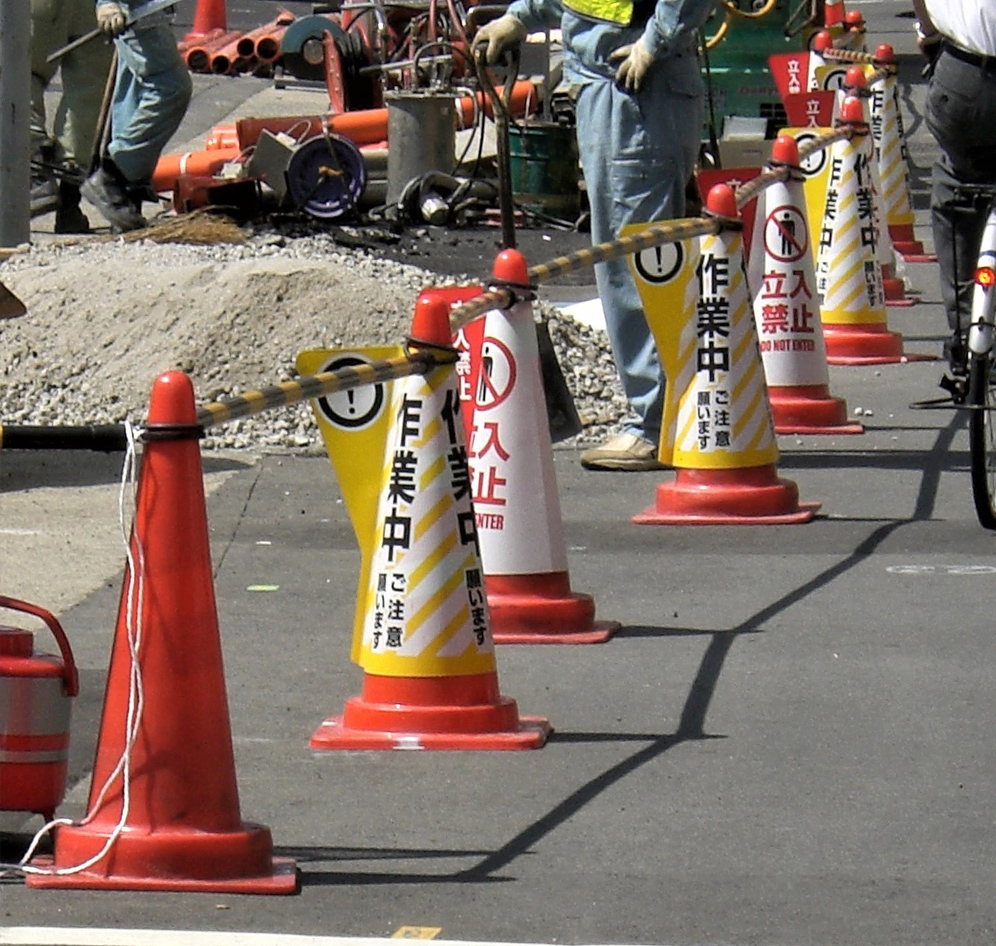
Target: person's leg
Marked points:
48	32
149	109
961	114
638	153
84	78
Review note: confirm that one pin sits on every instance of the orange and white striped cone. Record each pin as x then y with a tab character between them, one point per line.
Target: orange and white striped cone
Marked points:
893	157
834	14
430	674
848	272
856	83
782	280
514	483
717	431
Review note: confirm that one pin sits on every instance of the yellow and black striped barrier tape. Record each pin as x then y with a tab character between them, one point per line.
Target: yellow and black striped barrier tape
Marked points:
656	234
419	361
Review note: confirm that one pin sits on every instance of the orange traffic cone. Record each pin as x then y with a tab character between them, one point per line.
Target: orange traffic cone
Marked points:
169	820
209	16
430	672
717	431
515	487
849	274
893	158
782	280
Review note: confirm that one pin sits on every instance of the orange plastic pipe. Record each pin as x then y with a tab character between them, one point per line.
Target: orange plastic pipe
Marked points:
247	45
206	163
369	126
197	55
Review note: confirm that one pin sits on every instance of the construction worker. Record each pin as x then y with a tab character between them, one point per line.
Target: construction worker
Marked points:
62	160
151	94
633	70
958	38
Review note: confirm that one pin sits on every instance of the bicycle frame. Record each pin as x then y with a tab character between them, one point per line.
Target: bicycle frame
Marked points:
980	331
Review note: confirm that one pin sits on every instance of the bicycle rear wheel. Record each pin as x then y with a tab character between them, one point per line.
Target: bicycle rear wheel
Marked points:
982	438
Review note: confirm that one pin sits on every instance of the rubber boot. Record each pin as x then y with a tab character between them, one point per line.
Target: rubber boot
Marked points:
69	218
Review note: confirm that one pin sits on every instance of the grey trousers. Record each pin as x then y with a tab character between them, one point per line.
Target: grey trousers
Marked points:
961	114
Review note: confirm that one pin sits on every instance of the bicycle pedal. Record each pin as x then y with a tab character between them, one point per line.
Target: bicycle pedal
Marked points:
956	386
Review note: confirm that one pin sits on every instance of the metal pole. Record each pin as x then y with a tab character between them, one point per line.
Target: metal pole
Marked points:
15	121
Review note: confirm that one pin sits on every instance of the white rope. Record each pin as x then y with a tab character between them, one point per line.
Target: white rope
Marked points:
134	603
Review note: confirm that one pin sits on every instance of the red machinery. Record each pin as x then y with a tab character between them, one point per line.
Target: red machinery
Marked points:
36	695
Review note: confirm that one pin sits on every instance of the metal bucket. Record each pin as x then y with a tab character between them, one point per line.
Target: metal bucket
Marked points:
544	168
421	137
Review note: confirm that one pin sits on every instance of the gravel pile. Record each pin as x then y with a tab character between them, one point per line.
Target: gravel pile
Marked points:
106	317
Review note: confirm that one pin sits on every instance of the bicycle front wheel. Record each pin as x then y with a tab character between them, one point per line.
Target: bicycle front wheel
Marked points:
982	438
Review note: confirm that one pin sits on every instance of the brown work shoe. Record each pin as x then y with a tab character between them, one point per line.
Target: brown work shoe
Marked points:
623	452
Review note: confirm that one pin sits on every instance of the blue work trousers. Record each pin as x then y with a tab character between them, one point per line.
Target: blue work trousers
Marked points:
151	95
638	153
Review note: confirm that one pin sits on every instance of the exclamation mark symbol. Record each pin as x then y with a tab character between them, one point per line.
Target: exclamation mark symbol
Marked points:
351	397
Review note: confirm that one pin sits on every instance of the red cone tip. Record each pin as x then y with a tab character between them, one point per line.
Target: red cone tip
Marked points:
510	266
722	201
885	53
822	41
172	400
431	322
785	150
855	78
852	111
854	19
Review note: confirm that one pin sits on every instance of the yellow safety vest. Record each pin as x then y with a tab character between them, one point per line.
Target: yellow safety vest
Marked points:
611	11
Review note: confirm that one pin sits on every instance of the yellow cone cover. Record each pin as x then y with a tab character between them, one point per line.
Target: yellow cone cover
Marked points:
426	613
848	273
890	142
716	410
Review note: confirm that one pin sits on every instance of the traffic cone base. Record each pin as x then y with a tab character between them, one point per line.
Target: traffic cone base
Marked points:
465	712
905	243
895	292
862	344
810	410
185	861
752	496
542	609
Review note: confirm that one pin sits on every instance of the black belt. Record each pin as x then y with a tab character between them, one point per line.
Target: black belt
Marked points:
985	63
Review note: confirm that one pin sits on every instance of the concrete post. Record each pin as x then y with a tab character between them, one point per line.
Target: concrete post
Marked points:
15	120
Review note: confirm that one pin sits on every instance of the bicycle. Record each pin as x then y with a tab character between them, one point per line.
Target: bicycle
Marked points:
972	383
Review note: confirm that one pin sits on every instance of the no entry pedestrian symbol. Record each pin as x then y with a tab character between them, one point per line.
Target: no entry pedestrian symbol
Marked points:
660	264
356	408
786	237
496	377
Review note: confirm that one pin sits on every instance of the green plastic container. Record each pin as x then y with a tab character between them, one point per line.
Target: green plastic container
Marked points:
543	164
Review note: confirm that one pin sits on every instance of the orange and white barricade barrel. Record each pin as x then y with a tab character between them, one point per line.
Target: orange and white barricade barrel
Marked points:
885	118
36	698
717	431
848	272
424	643
515	497
782	282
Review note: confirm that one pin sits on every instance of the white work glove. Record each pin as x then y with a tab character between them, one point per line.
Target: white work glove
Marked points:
636	61
111	18
499	35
